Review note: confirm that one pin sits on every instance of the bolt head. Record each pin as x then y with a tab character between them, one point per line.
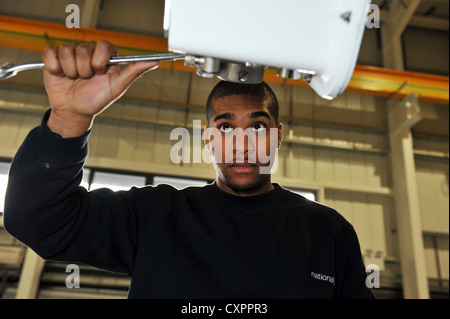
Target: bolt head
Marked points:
243	76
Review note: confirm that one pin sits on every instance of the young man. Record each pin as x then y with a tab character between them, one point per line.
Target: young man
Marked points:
240	237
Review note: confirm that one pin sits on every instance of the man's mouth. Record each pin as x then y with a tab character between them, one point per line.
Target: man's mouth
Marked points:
243	167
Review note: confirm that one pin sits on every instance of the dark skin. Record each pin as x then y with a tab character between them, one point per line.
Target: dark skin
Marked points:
80	85
241	174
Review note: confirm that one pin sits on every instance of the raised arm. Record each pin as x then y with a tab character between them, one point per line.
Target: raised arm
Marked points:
45	207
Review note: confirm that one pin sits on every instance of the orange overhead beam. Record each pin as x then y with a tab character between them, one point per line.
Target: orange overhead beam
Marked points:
37	35
388	83
399	84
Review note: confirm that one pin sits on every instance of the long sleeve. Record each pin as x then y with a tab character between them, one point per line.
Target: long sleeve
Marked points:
351	283
47	210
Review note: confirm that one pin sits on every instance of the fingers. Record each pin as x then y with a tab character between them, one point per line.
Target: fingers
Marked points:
83	60
66	57
79	60
50	59
103	52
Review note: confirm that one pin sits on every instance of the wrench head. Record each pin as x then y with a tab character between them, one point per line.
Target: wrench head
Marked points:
4	71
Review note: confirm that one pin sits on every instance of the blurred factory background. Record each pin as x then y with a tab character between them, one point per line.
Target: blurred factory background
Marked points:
379	154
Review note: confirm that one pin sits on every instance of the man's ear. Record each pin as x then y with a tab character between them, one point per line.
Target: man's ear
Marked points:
280	134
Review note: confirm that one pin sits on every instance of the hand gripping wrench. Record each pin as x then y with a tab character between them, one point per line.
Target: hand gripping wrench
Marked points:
8	70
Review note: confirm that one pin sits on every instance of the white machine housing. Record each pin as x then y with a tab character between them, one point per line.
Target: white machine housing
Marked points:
237	40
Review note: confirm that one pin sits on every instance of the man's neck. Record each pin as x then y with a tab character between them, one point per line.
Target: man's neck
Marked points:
261	189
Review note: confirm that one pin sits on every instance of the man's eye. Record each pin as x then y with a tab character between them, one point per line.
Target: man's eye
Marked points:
258	127
225	128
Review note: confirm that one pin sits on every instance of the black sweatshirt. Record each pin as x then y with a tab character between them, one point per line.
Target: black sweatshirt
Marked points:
198	242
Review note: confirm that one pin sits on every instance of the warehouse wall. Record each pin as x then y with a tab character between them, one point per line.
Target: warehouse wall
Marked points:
329	156
339	149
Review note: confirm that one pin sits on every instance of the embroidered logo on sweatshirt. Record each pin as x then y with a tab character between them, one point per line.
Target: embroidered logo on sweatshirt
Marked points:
320	276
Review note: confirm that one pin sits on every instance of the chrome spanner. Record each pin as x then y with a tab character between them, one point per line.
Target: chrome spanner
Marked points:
8	70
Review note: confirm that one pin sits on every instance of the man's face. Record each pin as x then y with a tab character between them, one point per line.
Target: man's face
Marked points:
243	137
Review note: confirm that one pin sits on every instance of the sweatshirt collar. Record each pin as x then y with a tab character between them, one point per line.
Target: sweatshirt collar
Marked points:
245	202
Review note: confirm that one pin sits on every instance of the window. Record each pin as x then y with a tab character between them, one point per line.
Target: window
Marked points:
311	195
85	180
4	169
115	181
178	182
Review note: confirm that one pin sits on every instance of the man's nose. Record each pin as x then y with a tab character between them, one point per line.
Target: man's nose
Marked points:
242	142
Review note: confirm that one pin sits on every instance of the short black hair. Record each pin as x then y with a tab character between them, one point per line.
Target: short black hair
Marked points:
226	88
